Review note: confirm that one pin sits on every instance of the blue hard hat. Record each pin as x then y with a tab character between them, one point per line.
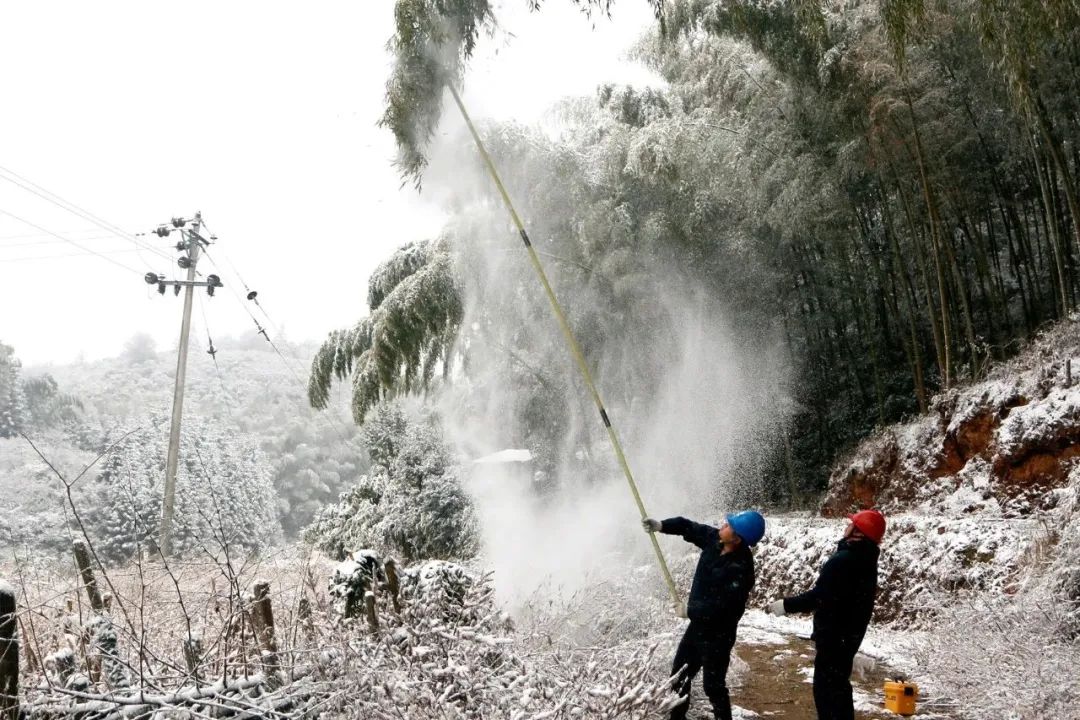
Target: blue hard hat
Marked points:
749	525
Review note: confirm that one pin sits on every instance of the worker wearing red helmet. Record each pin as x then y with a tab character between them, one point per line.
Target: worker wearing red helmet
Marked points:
842	601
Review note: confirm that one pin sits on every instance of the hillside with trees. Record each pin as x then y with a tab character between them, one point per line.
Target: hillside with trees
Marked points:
884	191
249	435
827	260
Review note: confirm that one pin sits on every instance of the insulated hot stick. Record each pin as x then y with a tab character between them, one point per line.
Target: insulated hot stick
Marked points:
575	350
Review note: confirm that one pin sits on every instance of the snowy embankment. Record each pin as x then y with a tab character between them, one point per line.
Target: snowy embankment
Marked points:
925	563
980	568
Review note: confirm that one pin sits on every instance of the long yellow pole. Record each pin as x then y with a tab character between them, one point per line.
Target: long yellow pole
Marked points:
575	349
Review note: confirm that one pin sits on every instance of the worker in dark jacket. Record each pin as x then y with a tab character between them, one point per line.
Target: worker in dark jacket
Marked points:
722	582
842	601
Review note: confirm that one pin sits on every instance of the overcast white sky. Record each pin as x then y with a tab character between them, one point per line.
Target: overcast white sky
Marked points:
261	115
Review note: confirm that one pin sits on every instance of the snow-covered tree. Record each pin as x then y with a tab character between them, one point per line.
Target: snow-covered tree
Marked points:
310	471
224	495
431	45
12	401
46	406
415	307
411	504
139	348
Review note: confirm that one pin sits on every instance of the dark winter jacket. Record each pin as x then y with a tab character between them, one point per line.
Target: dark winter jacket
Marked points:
722	582
842	600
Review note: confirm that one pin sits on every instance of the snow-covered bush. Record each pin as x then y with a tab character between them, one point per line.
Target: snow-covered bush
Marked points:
1018	651
410	505
352	578
224	497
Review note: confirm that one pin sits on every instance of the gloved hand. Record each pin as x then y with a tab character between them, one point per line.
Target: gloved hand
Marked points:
776	607
680	609
651	526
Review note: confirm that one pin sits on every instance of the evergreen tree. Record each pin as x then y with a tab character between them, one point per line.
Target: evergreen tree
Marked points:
12	399
47	407
310	472
224	497
410	505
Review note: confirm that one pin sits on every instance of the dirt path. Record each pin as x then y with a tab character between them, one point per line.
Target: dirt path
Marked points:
773	681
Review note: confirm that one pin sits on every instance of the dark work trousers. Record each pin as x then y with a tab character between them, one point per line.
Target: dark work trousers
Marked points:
705	648
832	679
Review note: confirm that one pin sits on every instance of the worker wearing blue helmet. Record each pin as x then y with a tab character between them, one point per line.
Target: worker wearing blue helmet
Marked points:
722	583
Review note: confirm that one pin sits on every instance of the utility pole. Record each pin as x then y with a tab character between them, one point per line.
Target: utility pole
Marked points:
191	243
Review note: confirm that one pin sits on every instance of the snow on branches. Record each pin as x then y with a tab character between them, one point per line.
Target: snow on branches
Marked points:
224	497
416	308
410	504
446	652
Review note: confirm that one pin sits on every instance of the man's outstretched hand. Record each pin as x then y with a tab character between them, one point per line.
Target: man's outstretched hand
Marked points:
651	526
776	607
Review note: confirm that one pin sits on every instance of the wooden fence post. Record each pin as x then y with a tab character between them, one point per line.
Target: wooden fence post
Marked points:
369	608
82	558
193	650
33	664
392	583
262	621
9	654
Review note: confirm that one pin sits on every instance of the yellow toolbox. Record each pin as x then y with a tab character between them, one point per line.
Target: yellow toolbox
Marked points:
900	697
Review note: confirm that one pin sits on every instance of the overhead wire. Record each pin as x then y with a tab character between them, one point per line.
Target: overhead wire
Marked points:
212	352
102	253
30	186
258	325
70	241
266	336
250	294
29	243
30	235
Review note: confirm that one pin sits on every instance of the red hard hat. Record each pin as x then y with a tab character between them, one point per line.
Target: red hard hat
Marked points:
870	523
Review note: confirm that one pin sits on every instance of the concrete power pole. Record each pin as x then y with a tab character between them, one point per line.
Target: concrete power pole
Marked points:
191	244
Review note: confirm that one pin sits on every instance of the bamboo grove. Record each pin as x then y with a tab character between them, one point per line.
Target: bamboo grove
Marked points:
889	186
947	134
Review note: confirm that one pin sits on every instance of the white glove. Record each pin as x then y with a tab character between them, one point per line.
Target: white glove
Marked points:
776	607
651	526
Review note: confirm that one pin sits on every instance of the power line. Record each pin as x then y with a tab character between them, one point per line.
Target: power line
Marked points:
258	325
68	255
30	186
262	331
253	297
72	242
251	294
22	236
212	352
